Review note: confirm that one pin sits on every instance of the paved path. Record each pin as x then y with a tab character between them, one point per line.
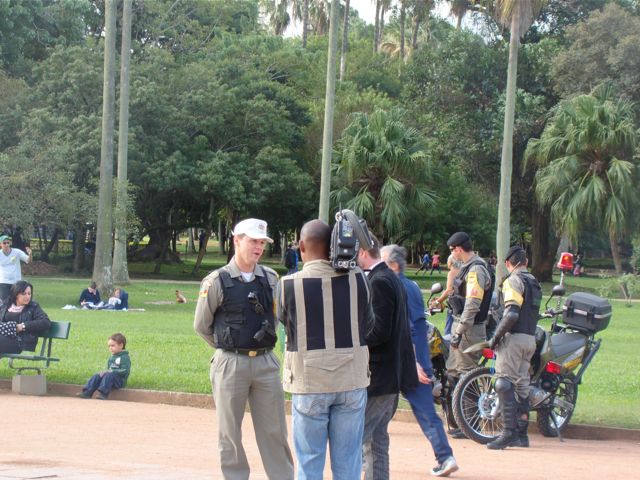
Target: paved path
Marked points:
69	438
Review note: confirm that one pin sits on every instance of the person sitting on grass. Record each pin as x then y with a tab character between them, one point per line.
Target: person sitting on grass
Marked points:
90	297
116	374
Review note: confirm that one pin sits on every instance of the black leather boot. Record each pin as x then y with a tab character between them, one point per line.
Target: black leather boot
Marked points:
523	422
509	437
523	438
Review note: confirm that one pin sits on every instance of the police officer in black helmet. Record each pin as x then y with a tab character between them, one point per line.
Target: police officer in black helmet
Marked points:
469	303
514	342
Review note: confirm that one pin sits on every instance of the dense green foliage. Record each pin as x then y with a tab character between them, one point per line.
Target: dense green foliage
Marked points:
226	117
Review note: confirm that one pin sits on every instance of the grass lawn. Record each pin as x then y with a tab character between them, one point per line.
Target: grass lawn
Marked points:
167	355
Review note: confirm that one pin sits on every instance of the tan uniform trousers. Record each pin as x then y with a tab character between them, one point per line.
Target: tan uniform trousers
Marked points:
236	379
458	362
513	360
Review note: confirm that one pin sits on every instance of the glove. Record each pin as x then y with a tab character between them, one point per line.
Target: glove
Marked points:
455	341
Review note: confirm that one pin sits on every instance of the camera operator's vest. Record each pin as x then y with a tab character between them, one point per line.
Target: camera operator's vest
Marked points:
457	300
326	316
237	320
530	308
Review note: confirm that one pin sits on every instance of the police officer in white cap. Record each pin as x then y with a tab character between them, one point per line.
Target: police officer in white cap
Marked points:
235	315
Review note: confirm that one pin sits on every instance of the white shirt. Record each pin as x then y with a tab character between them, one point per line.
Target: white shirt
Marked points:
10	271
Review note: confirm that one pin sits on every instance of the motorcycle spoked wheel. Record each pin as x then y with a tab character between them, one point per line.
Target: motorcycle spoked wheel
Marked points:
568	391
475	406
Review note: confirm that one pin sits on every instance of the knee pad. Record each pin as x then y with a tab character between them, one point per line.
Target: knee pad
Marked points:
503	385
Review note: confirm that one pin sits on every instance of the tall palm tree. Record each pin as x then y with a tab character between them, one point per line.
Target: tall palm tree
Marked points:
102	263
345	40
459	9
383	171
590	175
120	268
421	11
327	136
518	15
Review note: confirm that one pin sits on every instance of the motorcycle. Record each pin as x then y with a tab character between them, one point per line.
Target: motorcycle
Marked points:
439	349
562	355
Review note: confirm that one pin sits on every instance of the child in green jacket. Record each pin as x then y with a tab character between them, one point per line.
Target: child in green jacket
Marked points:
116	374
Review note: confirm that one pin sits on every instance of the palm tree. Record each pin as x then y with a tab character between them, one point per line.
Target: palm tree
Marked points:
345	40
327	137
518	15
102	262
421	10
590	175
383	171
459	9
120	268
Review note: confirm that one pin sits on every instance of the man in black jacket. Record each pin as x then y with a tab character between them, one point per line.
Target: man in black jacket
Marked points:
391	359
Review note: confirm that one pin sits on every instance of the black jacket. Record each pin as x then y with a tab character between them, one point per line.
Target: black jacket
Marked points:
35	321
391	358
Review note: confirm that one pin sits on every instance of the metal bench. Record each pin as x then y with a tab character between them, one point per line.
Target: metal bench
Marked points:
58	330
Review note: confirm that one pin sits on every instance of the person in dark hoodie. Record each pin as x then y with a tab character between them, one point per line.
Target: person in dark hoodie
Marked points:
116	374
21	319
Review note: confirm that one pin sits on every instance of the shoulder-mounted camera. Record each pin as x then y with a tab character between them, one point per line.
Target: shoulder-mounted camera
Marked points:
350	233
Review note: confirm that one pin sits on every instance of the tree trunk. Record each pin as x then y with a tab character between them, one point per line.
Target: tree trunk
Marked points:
44	256
305	22
376	29
414	32
327	139
615	253
506	164
222	236
78	248
403	18
543	245
345	40
192	240
120	267
104	242
207	234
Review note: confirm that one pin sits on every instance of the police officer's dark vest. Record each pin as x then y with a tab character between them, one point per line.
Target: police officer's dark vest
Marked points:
530	309
457	300
245	306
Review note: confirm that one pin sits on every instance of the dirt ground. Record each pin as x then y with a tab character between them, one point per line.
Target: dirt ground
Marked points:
69	438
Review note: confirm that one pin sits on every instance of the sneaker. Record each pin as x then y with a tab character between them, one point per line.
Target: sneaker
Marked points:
445	468
102	396
83	394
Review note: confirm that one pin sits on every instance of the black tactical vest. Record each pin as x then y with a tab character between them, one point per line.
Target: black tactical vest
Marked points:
457	300
247	308
530	309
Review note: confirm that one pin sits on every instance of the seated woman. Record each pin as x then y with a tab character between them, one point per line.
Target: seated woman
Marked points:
90	297
21	319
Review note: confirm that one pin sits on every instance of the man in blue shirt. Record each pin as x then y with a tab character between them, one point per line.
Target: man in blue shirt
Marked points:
421	398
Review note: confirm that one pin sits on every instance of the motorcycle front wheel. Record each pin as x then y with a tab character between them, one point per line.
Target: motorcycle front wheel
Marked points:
475	406
561	410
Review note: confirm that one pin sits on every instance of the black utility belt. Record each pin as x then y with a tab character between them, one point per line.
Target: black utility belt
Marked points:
248	352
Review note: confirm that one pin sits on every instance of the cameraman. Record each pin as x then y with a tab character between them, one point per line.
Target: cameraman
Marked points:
326	362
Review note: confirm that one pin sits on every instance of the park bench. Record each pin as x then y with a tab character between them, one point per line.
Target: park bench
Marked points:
42	358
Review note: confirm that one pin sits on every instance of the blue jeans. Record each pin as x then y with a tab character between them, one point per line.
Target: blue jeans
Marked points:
421	400
380	411
449	322
336	417
104	384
